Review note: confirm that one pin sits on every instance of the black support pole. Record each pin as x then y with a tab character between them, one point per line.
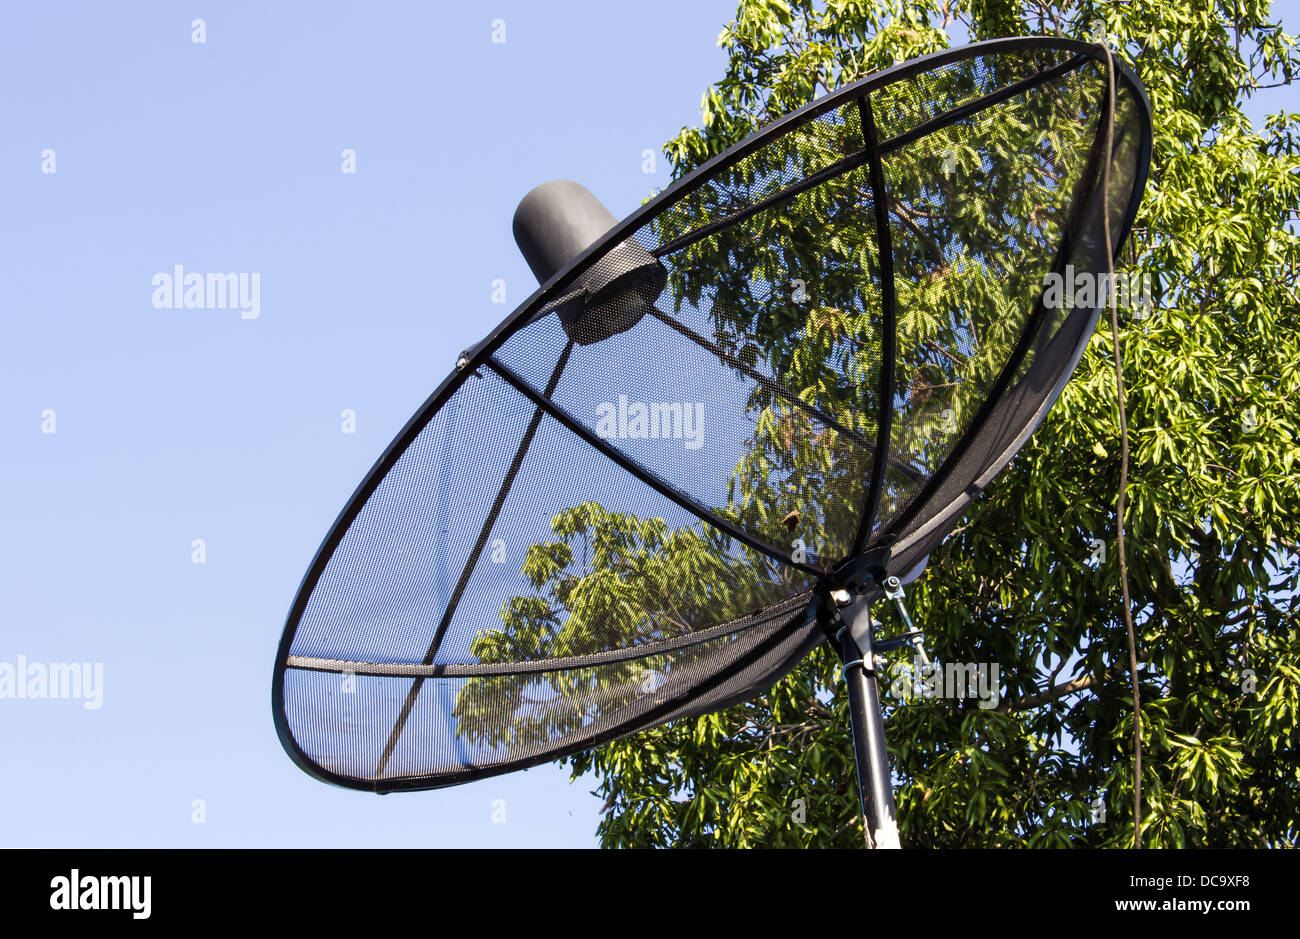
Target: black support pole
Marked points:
874	785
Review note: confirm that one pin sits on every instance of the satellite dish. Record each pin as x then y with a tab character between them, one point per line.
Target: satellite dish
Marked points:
721	428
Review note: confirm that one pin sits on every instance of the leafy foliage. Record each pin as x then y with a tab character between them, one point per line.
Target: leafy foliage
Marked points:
1214	498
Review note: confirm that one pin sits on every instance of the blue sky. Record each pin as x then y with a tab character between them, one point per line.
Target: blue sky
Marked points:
179	424
176	424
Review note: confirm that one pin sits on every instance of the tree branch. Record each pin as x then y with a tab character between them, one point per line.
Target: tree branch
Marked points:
1072	686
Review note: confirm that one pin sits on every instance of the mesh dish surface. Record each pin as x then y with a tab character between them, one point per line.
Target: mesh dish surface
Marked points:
574	540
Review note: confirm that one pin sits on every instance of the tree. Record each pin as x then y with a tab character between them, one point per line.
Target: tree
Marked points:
1213	501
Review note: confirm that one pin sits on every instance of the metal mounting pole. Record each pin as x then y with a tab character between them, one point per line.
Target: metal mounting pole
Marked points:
875	790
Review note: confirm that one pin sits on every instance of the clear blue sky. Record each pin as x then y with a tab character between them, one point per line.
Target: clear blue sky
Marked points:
173	425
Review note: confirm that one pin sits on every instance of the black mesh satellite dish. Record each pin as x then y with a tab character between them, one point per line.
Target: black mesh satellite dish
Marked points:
721	426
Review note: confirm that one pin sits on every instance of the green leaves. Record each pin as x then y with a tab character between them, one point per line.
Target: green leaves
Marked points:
1213	378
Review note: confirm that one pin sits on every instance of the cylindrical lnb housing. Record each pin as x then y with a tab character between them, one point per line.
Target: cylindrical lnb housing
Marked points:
559	220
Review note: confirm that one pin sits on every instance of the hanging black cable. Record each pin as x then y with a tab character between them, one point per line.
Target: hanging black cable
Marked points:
1123	449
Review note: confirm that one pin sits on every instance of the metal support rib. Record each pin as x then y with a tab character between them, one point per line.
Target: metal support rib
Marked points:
541	666
979	104
889	334
853	161
781	391
1088	179
454	601
665	489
